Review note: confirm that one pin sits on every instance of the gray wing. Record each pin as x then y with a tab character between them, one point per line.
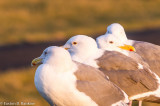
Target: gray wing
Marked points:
124	72
135	56
94	84
150	53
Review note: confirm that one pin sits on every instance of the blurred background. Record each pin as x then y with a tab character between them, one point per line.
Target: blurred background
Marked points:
29	26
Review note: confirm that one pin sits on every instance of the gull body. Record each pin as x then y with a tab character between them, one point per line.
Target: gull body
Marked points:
64	82
146	54
135	79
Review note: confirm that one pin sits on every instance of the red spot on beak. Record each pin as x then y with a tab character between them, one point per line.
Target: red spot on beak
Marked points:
130	50
33	64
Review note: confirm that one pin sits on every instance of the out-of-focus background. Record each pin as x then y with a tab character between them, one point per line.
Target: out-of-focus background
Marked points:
29	26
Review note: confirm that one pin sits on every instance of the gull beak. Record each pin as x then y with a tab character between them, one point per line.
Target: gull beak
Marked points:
128	47
36	61
65	47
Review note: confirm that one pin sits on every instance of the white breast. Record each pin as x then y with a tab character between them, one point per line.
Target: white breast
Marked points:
60	87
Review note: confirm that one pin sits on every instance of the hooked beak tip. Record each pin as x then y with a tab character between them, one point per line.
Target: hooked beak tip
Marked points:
36	61
33	64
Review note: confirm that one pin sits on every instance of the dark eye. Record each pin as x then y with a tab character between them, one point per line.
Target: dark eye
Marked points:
45	53
111	42
74	43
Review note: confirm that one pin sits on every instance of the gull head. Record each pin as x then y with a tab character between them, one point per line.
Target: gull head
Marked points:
81	46
52	55
117	30
112	43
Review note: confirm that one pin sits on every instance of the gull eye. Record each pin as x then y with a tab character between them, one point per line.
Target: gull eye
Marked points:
111	42
45	53
74	43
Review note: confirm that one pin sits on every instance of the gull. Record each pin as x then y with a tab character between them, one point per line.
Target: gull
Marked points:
64	82
135	79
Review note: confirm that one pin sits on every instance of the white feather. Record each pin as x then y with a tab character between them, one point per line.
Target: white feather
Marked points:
56	82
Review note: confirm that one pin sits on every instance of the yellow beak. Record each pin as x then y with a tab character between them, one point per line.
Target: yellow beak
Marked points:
64	47
127	47
36	61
